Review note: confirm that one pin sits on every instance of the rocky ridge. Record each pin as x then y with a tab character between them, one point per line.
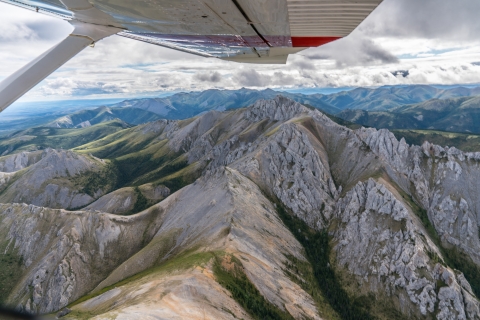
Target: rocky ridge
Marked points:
47	178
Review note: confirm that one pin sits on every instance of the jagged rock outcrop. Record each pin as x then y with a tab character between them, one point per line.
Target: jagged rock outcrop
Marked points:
20	161
278	109
53	181
294	171
445	182
66	253
122	201
379	241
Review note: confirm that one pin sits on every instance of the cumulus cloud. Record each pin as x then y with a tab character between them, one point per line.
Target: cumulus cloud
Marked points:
354	50
252	78
430	19
19	25
68	86
213	77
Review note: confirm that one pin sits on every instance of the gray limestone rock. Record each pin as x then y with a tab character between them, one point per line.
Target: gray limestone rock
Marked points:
51	181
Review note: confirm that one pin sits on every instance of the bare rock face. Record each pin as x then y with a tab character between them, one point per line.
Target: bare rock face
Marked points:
154	192
380	242
51	181
122	201
298	176
442	180
119	201
19	161
66	253
278	109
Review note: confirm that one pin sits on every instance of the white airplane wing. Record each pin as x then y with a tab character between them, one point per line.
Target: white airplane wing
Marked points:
251	31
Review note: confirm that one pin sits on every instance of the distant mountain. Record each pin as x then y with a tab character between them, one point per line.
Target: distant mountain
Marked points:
186	105
387	98
190	104
23	115
87	118
455	115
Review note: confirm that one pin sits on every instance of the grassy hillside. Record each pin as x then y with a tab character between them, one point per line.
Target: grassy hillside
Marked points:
454	115
390	97
104	114
462	141
142	157
43	137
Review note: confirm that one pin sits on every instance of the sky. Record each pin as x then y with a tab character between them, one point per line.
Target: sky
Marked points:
401	42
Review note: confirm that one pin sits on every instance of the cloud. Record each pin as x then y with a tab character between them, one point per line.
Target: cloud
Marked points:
354	50
430	19
66	86
299	62
251	78
19	25
213	77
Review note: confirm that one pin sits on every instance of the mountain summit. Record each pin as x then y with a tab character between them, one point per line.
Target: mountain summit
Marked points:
268	212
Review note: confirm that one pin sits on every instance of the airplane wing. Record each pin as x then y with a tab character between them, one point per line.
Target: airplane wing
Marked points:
249	31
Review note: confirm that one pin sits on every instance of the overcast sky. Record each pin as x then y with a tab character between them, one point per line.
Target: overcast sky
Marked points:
436	41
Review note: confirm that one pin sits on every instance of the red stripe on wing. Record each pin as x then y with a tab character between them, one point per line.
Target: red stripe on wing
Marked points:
311	41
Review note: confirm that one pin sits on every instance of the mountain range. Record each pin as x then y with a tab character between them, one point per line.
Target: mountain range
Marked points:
271	211
185	105
452	114
389	97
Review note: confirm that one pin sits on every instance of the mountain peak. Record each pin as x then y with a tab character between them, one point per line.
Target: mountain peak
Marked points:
278	109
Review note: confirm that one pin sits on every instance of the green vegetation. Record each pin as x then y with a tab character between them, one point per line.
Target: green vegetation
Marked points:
122	143
463	141
10	270
301	272
229	273
42	137
344	123
462	262
141	203
142	158
453	115
317	251
90	182
181	178
169	169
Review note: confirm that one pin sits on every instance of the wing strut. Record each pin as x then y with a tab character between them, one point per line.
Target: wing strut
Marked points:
14	86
